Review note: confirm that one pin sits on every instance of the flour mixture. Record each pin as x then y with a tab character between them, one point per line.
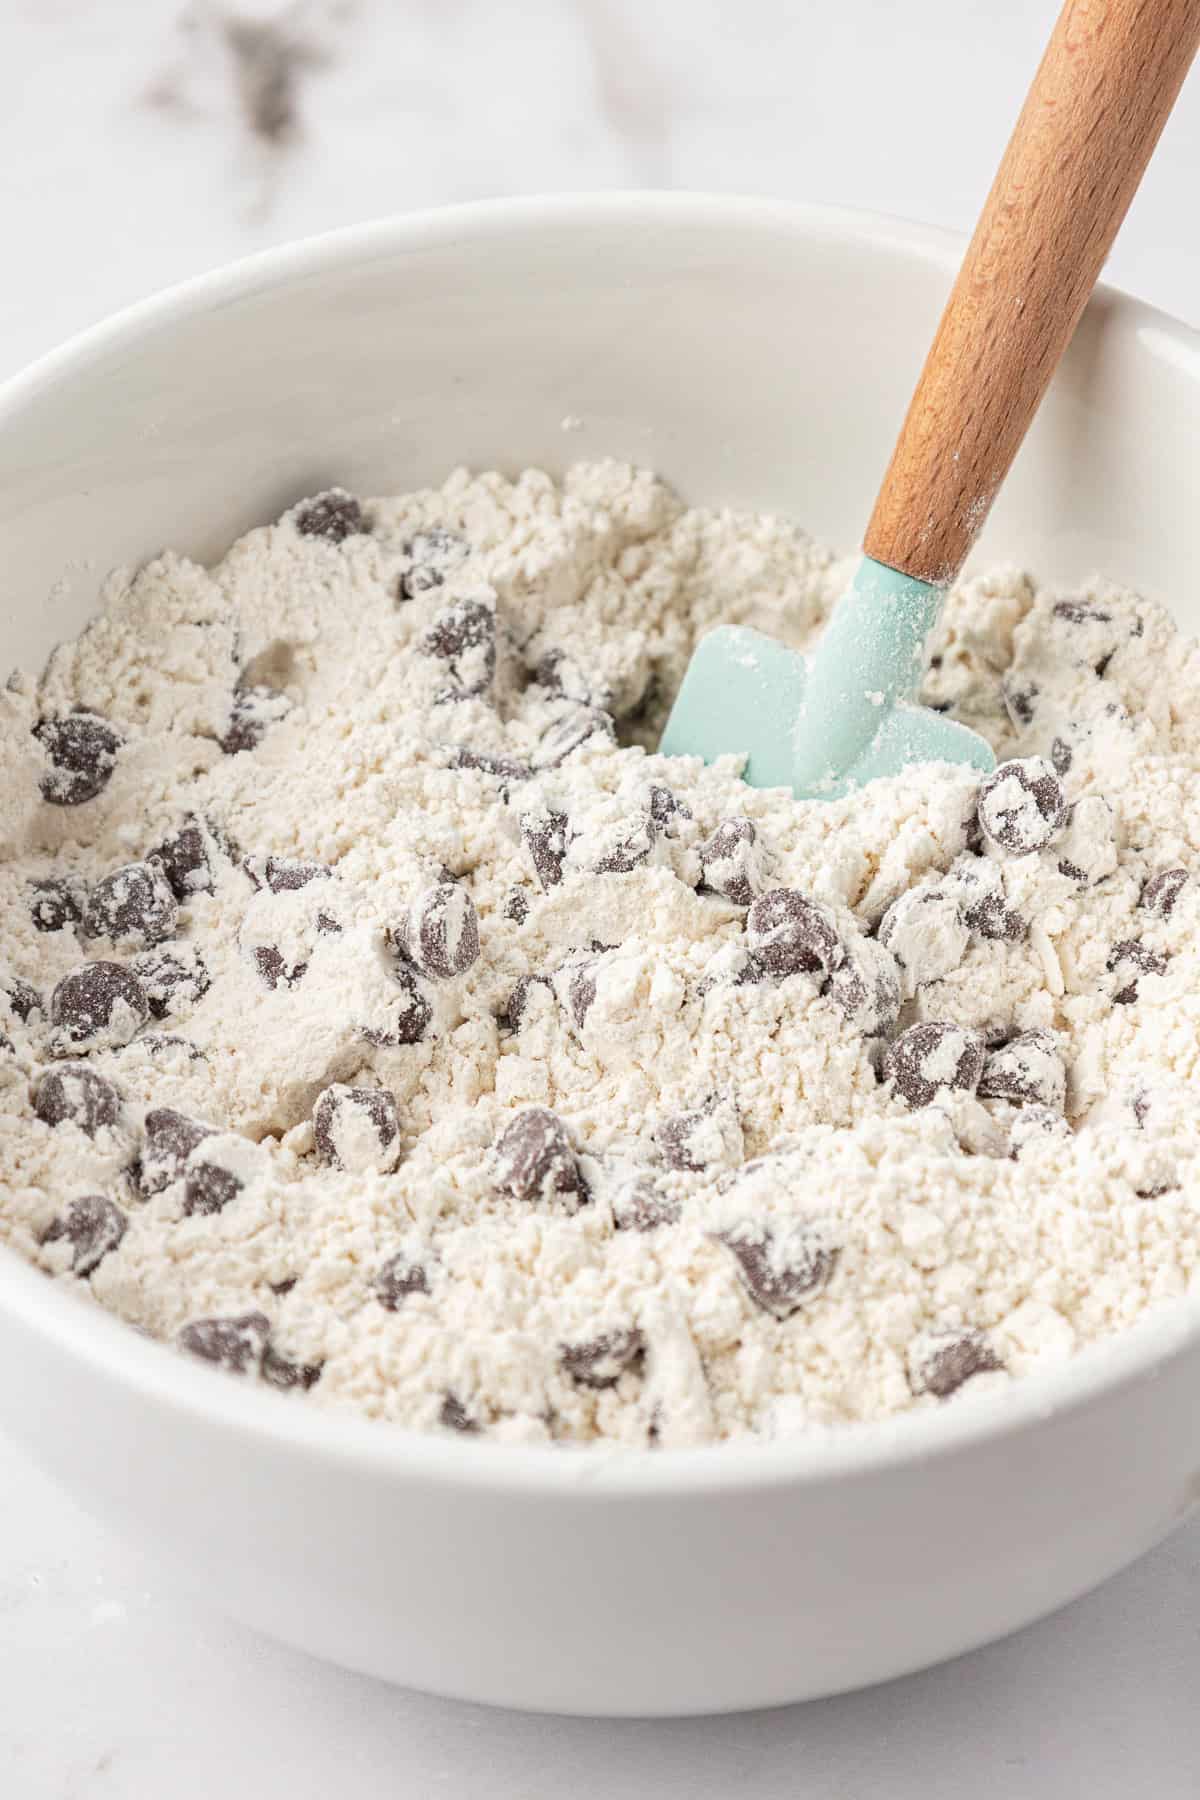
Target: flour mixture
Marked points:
382	1020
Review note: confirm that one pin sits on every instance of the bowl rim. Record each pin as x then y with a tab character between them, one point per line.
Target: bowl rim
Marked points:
76	1327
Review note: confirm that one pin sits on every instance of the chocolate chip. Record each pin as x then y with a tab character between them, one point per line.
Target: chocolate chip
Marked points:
1081	612
464	637
979	886
1061	755
516	906
534	1159
157	1043
133	907
93	1226
789	935
1021	805
281	875
235	1344
23	998
185	859
638	1205
412	1012
207	1188
545	834
57	903
780	1269
504	768
97	1006
706	1135
357	1128
71	1092
632	848
253	709
400	1277
1027	1068
280	1372
169	1138
570	732
926	933
1087	849
455	1417
1035	1124
601	1361
666	807
730	863
1161	892
283	1287
1128	960
867	987
581	992
272	967
932	1058
171	976
1019	703
441	932
961	1355
512	1014
432	552
334	515
82	752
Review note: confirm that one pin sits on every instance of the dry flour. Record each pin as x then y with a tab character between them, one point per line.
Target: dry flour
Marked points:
382	1019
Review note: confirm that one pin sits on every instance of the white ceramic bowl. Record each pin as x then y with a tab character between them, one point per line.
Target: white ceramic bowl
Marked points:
758	355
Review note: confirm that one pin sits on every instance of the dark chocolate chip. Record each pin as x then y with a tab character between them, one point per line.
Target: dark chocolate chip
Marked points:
513	1013
93	1226
950	1364
280	1372
356	1128
133	907
23	998
666	806
171	976
630	851
1026	1069
442	931
235	1344
789	935
464	637
688	1140
98	1004
1021	805
334	515
545	834
638	1205
504	768
581	991
252	710
1033	1124
455	1417
932	1058
400	1277
71	1092
1020	703
1161	892
185	859
281	875
867	987
269	961
568	733
516	906
168	1142
780	1270
412	1015
1061	755
208	1189
602	1360
729	863
1081	612
57	903
534	1159
432	552
82	752
1128	960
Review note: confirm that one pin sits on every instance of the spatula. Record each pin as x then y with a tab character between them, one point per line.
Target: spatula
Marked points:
824	724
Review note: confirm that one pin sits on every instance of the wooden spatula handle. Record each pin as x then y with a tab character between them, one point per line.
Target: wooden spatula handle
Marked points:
1106	84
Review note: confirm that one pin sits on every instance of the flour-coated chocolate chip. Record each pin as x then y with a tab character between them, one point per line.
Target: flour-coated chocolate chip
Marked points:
867	987
333	515
441	932
252	711
57	902
273	969
72	1093
708	1135
282	874
1086	852
1061	755
1129	960
1162	891
186	859
208	1188
171	978
1021	805
601	1361
93	1226
81	749
507	769
780	1268
97	1006
632	848
1034	1125
535	1161
1081	612
578	726
279	1371
562	676
978	884
357	1129
516	906
133	907
1020	703
926	933
789	934
731	863
464	637
1029	1068
546	834
947	1365
638	1204
581	991
236	1344
432	553
512	1014
169	1138
665	807
932	1058
23	998
410	1014
455	1417
398	1279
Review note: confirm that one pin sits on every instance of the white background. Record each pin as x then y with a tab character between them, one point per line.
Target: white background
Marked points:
127	162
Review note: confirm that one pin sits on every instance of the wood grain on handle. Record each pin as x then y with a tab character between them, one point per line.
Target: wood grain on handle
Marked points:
1101	97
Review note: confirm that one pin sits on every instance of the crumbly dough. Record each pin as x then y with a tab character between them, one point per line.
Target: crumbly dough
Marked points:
382	1019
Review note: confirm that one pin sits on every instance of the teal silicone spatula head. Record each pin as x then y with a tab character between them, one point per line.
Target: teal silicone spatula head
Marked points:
832	722
1101	96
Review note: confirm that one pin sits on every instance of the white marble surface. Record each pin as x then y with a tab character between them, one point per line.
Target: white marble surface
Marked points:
126	162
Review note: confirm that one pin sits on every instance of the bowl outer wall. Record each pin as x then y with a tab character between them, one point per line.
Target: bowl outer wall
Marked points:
757	355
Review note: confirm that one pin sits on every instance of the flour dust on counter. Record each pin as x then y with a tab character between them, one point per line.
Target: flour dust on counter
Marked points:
384	1021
